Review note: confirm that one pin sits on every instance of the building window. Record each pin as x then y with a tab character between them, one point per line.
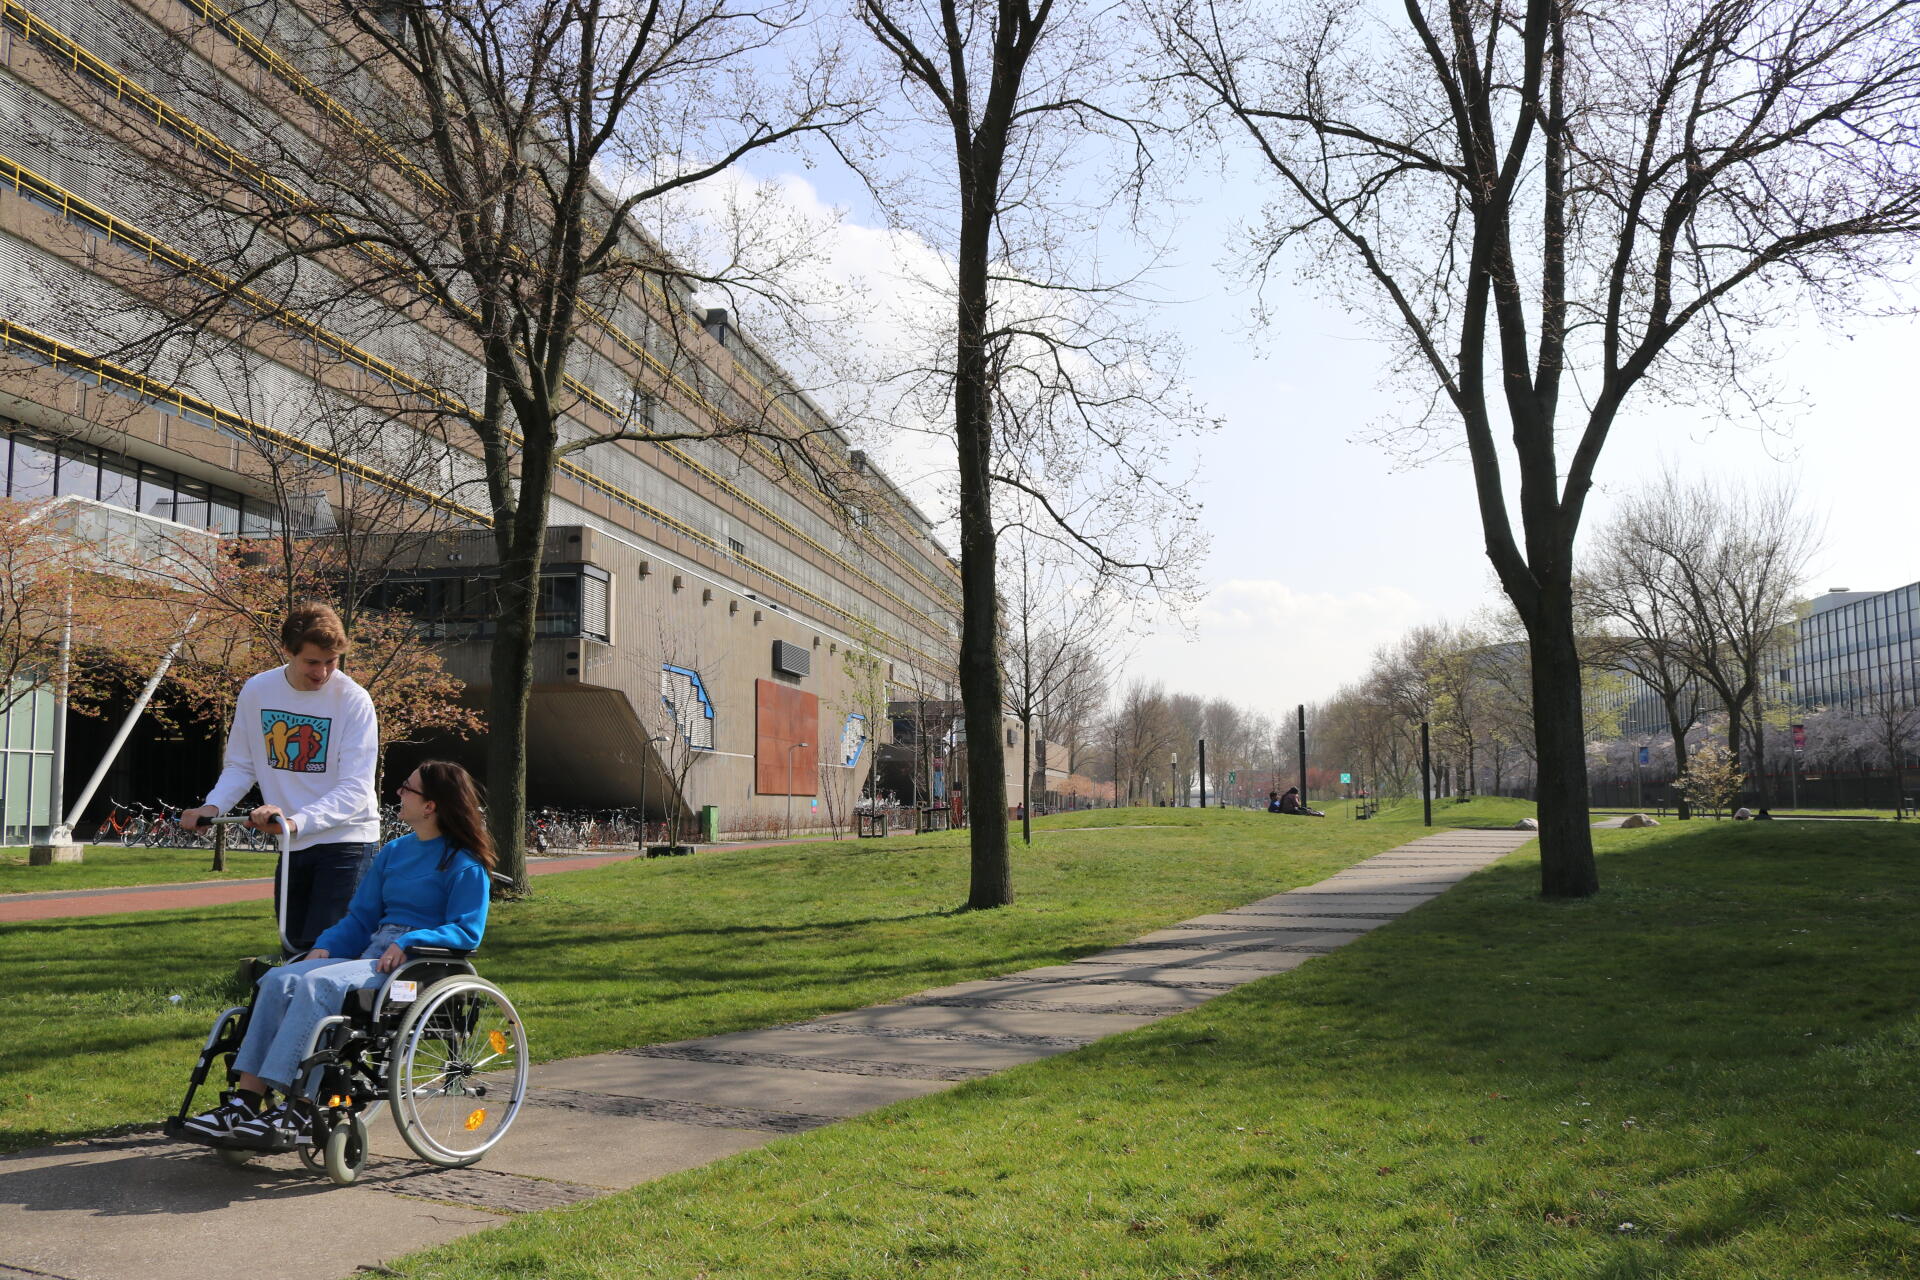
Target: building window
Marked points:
575	603
79	471
33	468
120	482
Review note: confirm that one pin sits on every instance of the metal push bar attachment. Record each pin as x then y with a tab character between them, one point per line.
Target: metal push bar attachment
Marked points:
279	874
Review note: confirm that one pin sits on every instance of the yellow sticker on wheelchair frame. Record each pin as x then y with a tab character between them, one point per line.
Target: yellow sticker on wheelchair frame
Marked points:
478	1118
402	992
498	1039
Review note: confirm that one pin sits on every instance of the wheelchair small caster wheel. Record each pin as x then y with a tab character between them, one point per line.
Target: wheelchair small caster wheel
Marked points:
234	1157
312	1157
345	1154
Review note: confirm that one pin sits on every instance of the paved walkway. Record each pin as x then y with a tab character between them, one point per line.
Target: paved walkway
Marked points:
145	1208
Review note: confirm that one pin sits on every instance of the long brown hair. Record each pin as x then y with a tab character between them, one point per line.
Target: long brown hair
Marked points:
457	808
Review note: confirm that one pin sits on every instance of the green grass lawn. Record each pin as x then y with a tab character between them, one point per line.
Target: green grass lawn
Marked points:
107	866
645	951
1710	1070
1780	812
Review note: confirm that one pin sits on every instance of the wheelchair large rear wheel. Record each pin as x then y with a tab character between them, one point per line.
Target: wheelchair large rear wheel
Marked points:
457	1073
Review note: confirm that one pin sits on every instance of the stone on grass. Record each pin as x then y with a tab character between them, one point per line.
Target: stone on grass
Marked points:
1641	820
1526	824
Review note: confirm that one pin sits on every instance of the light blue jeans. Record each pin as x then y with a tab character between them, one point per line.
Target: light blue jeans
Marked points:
292	1001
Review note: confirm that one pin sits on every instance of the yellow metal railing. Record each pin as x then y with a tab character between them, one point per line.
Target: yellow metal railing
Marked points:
37	31
151	391
83	212
304	88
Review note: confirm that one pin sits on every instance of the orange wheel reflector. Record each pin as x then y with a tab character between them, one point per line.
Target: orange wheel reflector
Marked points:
336	1101
478	1118
498	1039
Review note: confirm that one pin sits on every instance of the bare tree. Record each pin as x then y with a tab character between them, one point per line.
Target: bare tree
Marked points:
1636	624
1889	714
1141	732
1057	403
1052	649
1706	581
1551	207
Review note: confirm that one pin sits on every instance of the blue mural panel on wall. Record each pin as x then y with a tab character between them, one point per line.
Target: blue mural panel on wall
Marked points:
686	700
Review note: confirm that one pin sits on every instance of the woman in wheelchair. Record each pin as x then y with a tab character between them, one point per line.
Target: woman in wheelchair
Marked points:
427	889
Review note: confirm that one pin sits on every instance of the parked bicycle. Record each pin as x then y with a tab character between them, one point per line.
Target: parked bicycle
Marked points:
122	825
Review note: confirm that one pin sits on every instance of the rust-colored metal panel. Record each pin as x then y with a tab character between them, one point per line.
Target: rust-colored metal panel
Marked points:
783	718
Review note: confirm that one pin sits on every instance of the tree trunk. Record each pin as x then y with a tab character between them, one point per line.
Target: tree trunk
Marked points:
1566	840
511	669
981	692
1026	781
1679	731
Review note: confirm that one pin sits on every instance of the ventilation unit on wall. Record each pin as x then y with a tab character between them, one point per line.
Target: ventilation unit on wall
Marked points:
791	659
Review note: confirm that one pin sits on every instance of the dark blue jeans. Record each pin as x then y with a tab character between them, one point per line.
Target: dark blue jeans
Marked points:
320	883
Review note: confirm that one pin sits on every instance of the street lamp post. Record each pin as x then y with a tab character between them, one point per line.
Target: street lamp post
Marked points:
643	790
1173	780
790	750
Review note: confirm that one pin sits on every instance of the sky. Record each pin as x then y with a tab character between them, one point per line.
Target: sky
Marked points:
1325	547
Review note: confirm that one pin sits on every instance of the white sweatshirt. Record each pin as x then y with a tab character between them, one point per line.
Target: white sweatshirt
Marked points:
313	754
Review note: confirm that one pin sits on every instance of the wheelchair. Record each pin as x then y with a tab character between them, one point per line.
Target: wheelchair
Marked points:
439	1043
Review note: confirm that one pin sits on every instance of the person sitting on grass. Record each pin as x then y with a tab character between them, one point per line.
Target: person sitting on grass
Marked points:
427	889
1291	803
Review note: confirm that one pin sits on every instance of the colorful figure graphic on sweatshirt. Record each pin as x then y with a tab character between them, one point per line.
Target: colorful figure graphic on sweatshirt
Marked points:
296	743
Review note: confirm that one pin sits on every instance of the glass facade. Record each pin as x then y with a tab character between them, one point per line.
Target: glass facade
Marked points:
573	603
1851	650
26	766
1859	648
38	464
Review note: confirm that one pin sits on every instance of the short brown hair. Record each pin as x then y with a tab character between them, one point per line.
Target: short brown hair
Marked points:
312	622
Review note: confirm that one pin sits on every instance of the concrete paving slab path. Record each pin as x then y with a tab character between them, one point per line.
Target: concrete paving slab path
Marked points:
144	1208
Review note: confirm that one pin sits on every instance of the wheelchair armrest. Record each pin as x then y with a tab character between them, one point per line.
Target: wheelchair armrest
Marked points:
436	953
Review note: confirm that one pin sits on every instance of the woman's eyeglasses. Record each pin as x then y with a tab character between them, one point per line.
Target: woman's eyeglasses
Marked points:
409	787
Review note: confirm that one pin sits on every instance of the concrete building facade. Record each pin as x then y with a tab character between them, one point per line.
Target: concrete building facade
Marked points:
707	608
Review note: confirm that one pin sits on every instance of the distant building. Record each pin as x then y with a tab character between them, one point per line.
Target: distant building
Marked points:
1849	645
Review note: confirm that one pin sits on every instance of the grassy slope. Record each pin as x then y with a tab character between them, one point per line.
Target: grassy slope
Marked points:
642	952
110	866
1707	1071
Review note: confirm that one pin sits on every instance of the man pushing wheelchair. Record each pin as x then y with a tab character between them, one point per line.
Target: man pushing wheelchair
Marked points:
428	889
383	1005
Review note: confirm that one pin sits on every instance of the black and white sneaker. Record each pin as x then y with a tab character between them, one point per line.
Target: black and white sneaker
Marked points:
280	1128
217	1127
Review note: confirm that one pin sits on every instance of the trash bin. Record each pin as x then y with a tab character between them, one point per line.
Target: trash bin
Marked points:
709	822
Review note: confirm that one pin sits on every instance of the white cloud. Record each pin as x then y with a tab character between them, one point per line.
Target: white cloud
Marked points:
1268	646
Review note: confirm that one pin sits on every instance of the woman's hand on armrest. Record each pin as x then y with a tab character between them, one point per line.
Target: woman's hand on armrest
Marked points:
390	959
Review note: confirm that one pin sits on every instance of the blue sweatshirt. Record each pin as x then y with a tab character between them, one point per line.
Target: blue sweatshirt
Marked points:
406	887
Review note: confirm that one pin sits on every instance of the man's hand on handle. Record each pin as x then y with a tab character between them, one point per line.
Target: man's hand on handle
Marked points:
268	816
190	819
